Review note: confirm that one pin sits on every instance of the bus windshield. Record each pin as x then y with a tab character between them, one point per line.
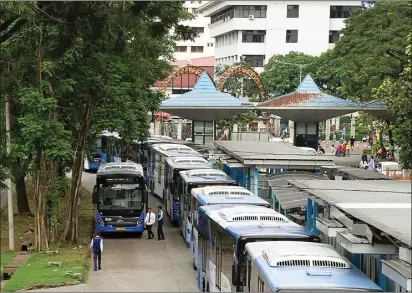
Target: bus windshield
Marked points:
121	196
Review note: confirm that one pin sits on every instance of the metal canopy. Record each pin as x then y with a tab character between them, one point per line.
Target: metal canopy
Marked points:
205	103
378	109
272	154
356	173
386	205
308	104
287	195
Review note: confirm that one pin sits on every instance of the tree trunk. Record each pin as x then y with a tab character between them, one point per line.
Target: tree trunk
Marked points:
40	228
22	200
71	232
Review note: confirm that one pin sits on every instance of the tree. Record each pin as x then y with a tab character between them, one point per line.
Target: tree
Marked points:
396	94
370	50
84	67
282	73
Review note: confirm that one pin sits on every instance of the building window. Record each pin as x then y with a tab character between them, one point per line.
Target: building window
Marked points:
196	49
203	132
293	11
253	36
245	11
181	49
199	30
223	15
210	44
340	11
333	37
194	11
254	60
291	36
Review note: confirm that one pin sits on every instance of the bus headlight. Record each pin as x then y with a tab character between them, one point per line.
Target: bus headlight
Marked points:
176	212
139	222
101	223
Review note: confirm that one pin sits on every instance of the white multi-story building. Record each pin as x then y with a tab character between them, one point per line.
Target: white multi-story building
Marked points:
254	33
203	45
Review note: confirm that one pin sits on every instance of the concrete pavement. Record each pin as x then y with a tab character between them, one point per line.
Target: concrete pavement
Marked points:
131	264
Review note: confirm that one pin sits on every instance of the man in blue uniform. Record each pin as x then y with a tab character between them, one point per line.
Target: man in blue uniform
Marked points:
96	246
160	235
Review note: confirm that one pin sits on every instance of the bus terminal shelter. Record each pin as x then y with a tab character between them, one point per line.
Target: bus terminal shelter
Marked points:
246	161
369	222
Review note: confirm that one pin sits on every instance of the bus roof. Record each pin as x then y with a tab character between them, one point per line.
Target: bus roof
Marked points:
221	191
184	163
254	221
206	176
280	262
207	200
175	150
124	168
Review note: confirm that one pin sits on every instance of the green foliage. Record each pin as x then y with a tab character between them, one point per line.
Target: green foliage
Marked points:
372	48
281	74
396	94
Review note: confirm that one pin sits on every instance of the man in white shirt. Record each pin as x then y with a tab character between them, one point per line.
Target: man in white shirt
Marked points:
149	221
96	246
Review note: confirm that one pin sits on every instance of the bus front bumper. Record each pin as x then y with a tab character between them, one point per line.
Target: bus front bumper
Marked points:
110	229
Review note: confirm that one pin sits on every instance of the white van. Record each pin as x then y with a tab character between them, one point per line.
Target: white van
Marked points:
394	168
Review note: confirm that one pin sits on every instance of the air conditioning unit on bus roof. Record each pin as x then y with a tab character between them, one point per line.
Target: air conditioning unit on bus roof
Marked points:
295	254
228	191
189	161
258	214
206	173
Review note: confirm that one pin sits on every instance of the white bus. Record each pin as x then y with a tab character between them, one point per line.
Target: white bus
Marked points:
156	168
287	266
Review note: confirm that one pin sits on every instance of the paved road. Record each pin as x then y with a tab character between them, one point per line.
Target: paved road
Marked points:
132	264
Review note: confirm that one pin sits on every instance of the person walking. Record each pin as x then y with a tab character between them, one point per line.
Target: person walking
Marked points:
160	234
371	165
149	221
352	143
348	147
96	246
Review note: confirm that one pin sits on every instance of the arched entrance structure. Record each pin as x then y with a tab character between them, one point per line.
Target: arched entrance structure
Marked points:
248	71
180	71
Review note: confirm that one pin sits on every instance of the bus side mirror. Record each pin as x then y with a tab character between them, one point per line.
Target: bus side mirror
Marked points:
94	195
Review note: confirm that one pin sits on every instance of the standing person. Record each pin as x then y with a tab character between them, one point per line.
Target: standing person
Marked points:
96	246
348	147
149	221
364	162
371	165
160	234
352	143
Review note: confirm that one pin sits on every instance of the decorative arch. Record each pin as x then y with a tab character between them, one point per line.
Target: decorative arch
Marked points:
179	71
246	70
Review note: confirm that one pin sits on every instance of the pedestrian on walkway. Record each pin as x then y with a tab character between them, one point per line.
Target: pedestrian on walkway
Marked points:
352	143
348	147
149	221
160	234
96	246
371	165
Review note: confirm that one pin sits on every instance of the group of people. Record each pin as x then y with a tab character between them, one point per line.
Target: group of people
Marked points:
96	245
344	148
365	164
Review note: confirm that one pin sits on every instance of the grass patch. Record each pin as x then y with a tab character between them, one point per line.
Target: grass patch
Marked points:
5	258
36	272
75	258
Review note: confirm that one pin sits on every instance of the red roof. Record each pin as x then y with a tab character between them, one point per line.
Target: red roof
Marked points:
186	81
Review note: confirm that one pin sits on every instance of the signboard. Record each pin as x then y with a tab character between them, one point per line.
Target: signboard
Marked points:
120	179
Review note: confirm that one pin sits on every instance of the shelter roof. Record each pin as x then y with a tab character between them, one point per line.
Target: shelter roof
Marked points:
318	106
275	154
358	173
205	103
386	205
290	196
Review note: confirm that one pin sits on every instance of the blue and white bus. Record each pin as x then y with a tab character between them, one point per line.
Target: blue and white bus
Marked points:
105	151
156	166
120	195
285	266
193	179
222	236
172	181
